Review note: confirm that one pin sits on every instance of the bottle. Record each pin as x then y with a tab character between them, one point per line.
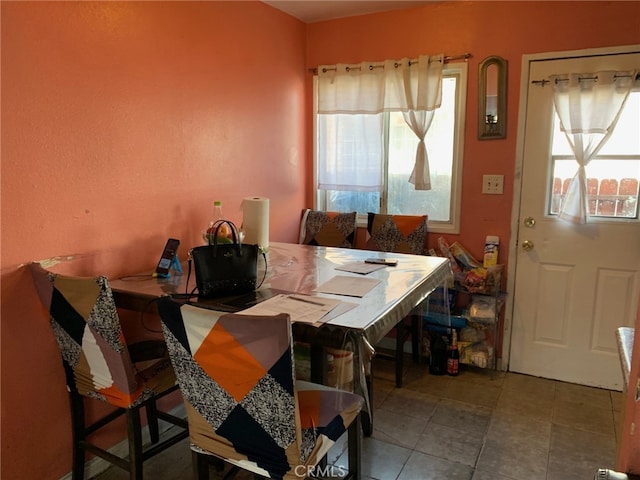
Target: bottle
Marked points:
491	251
223	232
453	356
438	359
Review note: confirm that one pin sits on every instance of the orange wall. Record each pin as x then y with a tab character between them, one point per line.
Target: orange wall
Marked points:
121	123
507	29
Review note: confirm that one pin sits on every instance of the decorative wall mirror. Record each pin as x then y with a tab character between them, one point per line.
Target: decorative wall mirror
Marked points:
492	98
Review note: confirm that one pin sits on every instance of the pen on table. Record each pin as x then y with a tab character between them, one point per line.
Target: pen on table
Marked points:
306	301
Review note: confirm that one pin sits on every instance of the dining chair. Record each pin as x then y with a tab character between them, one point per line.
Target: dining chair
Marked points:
100	366
243	403
608	189
400	234
328	229
627	197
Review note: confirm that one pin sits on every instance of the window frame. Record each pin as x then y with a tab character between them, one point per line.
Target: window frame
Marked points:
458	70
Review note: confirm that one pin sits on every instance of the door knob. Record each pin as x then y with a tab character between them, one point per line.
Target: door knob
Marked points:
529	222
527	245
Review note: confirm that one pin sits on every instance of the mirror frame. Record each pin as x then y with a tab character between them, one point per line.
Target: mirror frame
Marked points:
499	130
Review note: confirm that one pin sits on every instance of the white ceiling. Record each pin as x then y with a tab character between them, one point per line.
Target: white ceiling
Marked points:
310	11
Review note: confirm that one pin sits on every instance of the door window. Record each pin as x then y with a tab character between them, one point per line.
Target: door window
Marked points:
612	176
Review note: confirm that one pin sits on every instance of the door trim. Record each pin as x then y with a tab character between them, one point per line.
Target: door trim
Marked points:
517	176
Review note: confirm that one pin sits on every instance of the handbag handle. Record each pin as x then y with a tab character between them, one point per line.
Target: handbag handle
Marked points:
234	235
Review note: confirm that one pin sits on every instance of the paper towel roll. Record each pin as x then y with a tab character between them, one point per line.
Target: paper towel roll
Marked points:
255	221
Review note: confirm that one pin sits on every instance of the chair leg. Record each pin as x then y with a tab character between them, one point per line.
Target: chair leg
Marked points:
399	353
79	435
152	420
200	466
366	418
134	430
416	338
355	449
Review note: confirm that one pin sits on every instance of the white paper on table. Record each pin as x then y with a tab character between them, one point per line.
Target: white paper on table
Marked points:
343	307
301	308
349	286
360	267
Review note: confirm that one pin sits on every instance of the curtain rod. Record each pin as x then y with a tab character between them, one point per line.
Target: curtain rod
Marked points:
543	82
464	56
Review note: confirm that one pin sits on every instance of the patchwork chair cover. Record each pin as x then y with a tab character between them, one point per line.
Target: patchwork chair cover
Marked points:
236	373
397	233
400	234
100	365
328	229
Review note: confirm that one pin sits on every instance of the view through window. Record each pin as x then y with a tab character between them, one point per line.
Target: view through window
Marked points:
399	143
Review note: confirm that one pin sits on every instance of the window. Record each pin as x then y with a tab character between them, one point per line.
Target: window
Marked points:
612	176
444	146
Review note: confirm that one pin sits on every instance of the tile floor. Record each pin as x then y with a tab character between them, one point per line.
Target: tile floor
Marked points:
475	426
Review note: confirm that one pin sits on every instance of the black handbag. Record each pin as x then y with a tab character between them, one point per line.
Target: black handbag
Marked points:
226	269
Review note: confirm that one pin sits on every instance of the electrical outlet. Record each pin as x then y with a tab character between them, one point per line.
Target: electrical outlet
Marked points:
492	184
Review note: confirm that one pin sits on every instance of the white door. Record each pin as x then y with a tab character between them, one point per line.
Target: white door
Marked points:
577	283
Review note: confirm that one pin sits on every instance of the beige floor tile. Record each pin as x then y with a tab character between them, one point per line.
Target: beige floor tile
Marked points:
617	400
381	389
523	403
398	429
384	368
461	416
519	460
584	417
576	454
451	444
516	447
383	461
520	431
596	397
426	467
483	376
617	424
409	402
540	387
174	463
436	385
485	395
481	475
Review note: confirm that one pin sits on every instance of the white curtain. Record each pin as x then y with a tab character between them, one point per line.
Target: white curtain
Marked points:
350	155
419	95
588	105
352	98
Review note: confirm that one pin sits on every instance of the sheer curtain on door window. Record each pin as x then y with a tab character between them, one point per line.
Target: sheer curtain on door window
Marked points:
357	96
588	105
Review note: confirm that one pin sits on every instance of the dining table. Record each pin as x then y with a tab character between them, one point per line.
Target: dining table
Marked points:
400	287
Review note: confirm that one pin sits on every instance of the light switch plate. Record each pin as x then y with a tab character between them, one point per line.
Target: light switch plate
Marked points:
492	184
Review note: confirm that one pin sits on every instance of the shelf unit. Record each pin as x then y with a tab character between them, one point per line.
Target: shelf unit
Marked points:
477	341
473	309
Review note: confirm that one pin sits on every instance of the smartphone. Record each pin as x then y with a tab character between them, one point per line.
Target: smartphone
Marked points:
169	252
382	261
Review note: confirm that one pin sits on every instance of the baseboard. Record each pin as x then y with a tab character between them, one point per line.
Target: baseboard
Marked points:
96	465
